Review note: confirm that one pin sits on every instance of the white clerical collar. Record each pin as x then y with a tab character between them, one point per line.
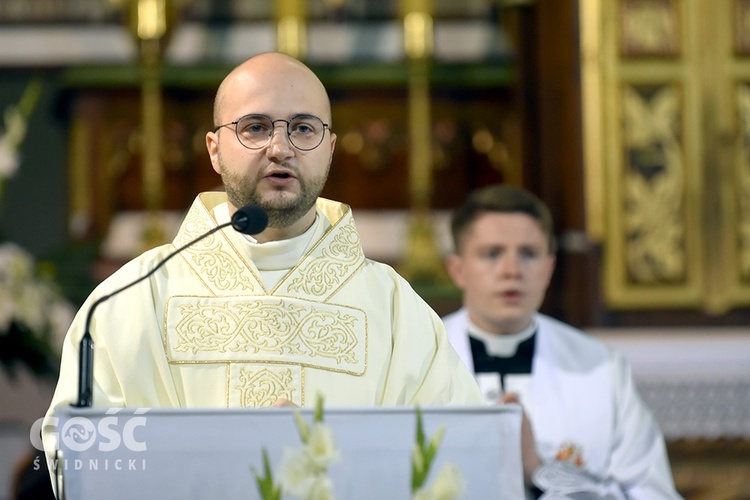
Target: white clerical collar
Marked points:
281	254
501	345
284	254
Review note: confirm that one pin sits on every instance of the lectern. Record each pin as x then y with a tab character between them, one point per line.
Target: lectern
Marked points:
210	453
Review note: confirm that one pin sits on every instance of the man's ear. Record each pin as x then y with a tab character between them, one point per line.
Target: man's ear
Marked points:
454	264
212	145
333	146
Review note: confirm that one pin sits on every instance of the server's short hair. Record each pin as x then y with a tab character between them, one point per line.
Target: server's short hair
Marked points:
505	199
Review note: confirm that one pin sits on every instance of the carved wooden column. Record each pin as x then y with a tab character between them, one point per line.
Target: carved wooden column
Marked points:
150	22
422	262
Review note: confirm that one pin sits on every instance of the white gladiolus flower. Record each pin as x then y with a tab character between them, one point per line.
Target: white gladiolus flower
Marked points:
10	142
303	471
30	300
422	494
26	298
297	472
448	484
16	123
9	159
321	446
321	489
16	119
15	127
61	316
16	264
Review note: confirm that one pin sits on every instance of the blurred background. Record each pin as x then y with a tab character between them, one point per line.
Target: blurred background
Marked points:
630	118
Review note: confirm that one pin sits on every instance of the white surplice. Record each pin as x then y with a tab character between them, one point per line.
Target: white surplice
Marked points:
584	409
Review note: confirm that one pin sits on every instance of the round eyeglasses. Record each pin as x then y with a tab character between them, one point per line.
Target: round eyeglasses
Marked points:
305	132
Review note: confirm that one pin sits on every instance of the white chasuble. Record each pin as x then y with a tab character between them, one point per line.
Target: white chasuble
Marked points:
254	345
204	331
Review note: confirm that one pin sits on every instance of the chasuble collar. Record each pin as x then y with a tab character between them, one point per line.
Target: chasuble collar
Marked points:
331	257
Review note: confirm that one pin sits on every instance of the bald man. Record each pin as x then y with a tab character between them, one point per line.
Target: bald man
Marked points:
296	310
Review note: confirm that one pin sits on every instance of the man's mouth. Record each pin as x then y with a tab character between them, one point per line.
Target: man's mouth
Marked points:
281	175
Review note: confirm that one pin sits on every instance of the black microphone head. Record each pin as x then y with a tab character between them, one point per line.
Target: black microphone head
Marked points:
250	219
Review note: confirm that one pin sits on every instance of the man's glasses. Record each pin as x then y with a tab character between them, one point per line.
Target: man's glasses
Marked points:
305	132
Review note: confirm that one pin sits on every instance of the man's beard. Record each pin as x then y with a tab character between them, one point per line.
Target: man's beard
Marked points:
282	211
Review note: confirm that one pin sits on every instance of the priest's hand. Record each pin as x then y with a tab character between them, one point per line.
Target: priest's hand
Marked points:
528	446
284	403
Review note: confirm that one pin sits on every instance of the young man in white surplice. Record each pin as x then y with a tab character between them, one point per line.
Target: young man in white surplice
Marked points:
592	431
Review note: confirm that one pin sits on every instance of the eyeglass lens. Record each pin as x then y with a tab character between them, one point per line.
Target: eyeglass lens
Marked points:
305	132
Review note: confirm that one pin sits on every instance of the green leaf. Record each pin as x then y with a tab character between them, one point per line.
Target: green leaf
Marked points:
420	429
266	487
30	97
319	408
432	448
420	467
423	454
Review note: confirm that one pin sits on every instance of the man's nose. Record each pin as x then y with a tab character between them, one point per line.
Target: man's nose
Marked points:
279	146
510	264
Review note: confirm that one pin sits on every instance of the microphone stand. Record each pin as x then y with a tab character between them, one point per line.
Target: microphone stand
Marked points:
242	221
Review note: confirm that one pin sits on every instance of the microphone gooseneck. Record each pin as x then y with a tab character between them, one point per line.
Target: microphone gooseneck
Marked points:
249	219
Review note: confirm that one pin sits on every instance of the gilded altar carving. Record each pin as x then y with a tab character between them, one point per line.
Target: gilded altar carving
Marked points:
653	185
649	28
743	174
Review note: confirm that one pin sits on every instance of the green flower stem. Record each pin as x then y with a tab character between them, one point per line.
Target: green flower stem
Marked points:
266	486
424	454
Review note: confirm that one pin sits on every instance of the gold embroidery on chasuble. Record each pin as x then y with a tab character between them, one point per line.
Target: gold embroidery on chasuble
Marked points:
216	261
267	341
261	386
265	329
322	274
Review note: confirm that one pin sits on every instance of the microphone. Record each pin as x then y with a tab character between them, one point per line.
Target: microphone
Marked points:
250	219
